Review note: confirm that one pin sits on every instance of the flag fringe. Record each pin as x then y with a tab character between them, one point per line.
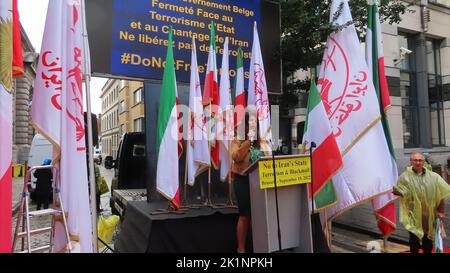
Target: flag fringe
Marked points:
361	134
351	206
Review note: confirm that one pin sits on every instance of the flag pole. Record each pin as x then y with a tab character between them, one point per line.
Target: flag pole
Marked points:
230	203
208	202
87	78
185	175
184	203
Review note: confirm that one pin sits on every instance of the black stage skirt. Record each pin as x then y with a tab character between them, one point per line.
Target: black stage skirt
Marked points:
242	191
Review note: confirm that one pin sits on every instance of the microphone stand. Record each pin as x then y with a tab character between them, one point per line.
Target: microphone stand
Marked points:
276	199
313	145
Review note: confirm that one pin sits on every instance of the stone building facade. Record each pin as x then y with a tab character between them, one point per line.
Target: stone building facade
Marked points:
109	132
131	107
23	131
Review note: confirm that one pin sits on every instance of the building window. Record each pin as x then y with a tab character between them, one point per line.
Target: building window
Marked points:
121	106
138	96
139	125
435	92
410	109
441	2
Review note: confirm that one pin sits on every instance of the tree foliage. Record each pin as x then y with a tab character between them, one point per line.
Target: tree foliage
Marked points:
305	27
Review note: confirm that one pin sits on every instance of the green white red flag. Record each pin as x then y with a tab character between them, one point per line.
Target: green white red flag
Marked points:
383	205
439	234
326	157
167	134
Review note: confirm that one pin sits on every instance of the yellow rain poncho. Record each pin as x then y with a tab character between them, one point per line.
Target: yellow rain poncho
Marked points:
422	195
106	228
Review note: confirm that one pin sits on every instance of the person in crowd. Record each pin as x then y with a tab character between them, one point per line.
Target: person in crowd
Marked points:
422	194
428	159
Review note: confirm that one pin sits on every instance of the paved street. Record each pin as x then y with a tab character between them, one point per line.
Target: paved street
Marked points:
45	221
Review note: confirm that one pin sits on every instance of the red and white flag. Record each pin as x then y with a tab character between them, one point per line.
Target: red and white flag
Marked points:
57	113
225	122
352	108
257	90
211	99
238	96
6	85
199	158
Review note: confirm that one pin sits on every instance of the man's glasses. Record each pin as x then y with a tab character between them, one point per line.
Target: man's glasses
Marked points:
417	160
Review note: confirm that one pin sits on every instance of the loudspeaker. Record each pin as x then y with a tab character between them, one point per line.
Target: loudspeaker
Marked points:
94	129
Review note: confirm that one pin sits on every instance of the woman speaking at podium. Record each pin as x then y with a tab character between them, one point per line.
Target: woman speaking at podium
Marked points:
244	153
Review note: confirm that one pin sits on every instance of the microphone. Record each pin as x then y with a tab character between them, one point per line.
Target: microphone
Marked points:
313	144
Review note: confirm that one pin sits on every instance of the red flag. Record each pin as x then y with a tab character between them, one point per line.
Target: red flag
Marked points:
17	43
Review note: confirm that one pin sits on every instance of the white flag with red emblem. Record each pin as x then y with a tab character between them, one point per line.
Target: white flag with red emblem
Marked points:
198	155
211	99
352	108
257	91
57	113
225	122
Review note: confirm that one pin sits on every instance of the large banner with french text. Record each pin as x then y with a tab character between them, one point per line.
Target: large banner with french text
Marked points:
129	38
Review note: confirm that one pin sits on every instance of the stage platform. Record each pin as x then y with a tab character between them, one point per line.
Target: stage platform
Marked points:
203	230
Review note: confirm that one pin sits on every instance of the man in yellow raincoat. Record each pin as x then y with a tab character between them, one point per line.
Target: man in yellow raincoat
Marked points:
422	193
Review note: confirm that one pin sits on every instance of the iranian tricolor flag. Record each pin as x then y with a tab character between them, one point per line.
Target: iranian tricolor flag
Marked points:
167	134
352	107
383	205
211	100
439	234
257	91
57	113
238	95
6	85
197	151
326	157
225	123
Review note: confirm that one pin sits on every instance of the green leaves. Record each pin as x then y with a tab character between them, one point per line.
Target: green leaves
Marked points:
305	27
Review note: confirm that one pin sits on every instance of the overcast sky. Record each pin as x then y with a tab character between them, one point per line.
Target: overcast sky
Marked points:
32	17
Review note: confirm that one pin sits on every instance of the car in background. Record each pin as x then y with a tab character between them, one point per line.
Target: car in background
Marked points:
98	156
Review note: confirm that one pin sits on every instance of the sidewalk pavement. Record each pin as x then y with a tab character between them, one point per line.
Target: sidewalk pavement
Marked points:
45	221
17	188
362	218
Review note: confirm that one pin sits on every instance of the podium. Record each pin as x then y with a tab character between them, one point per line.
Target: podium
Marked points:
293	205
